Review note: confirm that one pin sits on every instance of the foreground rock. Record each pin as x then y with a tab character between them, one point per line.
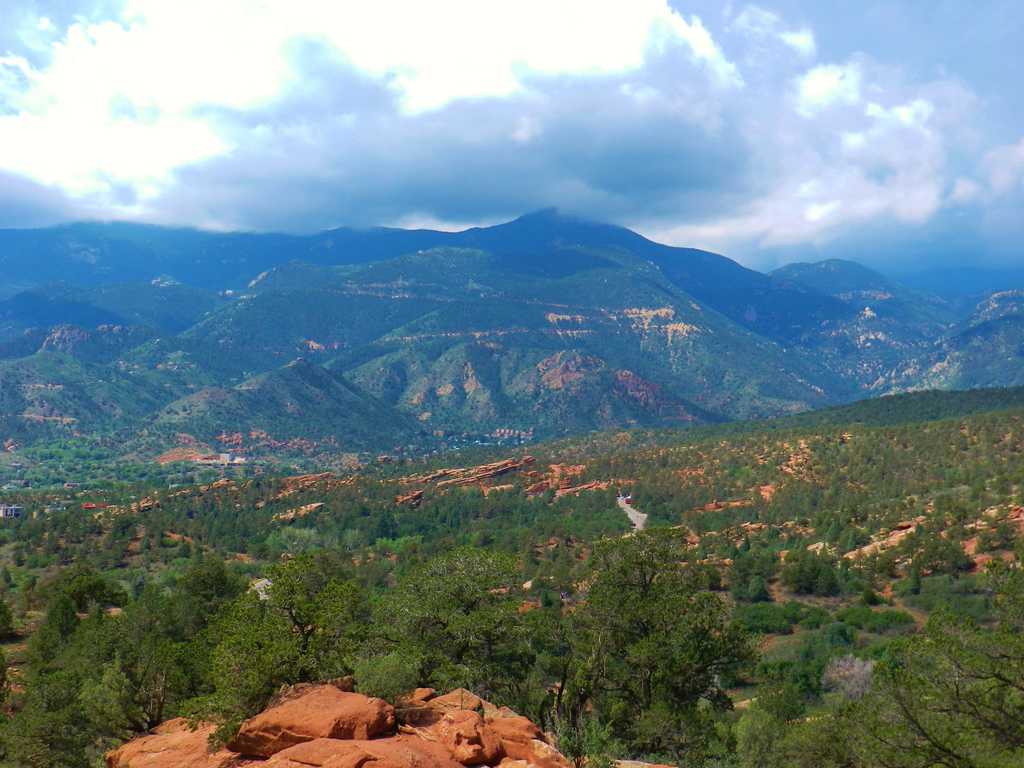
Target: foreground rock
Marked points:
322	711
173	745
394	752
322	726
467	738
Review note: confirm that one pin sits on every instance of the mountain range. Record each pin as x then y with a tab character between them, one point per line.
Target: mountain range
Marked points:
366	340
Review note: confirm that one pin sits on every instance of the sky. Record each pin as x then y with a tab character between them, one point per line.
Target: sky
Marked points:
888	132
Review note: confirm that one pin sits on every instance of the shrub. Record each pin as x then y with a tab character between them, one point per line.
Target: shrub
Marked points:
6	620
863	617
388	676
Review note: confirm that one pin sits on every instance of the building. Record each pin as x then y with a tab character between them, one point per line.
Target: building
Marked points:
11	511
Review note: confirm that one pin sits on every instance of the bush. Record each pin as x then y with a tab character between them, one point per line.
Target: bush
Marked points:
958	595
6	620
863	617
776	618
388	676
849	676
808	573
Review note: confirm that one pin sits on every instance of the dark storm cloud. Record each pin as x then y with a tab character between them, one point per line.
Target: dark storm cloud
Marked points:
340	151
880	131
23	203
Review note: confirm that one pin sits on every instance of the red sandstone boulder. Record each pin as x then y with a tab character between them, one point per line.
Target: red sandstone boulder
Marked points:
458	699
423	711
172	745
394	752
468	738
522	740
322	711
320	726
421	695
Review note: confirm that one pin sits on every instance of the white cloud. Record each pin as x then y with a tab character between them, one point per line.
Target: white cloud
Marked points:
965	191
853	141
826	86
527	129
1005	166
913	113
190	111
819	211
883	160
762	24
123	104
801	41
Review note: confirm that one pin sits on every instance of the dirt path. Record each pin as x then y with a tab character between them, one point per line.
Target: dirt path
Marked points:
636	517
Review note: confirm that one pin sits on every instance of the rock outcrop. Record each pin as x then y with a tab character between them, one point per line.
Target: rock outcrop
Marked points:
173	744
323	726
322	712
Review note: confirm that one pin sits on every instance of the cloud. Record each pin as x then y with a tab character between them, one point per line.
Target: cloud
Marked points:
24	203
606	147
826	86
801	41
1005	166
859	148
125	102
965	191
767	26
751	130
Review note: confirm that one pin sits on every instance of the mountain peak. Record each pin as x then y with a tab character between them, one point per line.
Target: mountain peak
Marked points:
832	276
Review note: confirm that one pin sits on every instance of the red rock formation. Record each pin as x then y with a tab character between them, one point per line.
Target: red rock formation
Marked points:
231	440
322	712
522	740
576	490
321	726
400	751
457	700
179	454
173	745
292	514
469	740
413	499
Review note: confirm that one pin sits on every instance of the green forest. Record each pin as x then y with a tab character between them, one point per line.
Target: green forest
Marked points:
838	589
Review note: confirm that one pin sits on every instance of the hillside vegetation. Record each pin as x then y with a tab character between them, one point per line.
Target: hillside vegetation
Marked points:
542	327
840	588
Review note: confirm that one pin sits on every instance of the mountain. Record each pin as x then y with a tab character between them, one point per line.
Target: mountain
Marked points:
362	339
882	330
986	349
301	407
544	244
858	286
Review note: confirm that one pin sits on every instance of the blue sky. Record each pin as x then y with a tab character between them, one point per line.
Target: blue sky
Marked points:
890	132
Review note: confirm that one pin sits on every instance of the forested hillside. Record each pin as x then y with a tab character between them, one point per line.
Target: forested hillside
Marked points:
137	341
840	589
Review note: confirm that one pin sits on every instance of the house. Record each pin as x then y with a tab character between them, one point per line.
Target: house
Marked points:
11	511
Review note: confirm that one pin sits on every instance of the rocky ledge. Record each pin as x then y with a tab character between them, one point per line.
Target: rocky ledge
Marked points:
326	726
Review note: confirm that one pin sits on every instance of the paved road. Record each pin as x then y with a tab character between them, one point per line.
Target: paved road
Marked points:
636	517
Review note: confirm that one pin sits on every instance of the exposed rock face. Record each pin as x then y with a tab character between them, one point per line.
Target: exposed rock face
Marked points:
393	752
522	740
173	745
467	738
322	726
322	712
459	699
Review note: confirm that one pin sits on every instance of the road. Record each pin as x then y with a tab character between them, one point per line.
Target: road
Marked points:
636	517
